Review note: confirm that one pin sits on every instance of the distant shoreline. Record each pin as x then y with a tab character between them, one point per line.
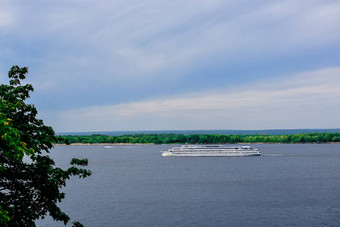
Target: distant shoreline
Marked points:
138	144
201	139
102	144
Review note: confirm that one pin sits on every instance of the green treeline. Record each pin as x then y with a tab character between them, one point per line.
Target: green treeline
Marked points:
206	138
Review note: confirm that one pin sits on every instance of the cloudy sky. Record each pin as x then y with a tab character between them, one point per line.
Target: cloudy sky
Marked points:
170	65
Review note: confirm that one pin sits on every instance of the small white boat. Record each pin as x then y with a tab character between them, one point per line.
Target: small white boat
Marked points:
107	147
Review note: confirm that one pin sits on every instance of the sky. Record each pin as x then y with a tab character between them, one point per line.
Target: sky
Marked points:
176	65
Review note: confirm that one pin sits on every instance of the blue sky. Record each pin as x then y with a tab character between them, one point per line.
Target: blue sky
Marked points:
172	65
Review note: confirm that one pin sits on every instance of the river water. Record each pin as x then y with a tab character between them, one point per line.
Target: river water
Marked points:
289	185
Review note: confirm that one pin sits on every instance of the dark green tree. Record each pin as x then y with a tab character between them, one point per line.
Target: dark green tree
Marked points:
30	187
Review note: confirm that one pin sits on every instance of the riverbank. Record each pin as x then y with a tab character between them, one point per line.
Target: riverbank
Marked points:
203	139
138	144
102	144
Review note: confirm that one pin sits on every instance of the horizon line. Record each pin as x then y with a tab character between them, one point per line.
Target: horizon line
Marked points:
195	130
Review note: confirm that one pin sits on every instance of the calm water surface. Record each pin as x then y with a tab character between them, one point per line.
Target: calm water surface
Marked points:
289	185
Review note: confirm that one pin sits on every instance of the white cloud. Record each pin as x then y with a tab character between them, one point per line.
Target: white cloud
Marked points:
149	38
269	28
86	50
7	16
306	100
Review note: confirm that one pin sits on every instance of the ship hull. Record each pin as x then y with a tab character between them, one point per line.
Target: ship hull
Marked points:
169	154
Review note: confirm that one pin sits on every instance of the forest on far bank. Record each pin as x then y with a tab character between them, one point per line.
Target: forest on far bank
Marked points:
172	138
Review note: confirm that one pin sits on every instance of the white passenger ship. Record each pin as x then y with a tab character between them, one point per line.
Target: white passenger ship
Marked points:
211	150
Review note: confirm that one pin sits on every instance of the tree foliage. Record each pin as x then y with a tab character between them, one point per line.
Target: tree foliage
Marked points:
172	138
29	181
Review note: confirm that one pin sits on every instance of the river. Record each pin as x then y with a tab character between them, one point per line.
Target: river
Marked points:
289	185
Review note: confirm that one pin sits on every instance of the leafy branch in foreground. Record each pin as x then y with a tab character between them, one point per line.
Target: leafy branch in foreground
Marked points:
30	187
